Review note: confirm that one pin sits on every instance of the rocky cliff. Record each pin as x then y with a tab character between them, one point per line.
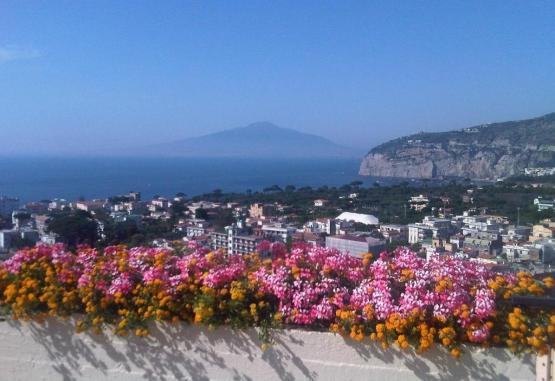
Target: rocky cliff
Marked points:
482	152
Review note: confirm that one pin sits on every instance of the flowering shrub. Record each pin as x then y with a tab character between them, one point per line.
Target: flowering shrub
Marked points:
397	298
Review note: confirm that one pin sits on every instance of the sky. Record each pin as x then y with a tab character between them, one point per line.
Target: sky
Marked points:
91	76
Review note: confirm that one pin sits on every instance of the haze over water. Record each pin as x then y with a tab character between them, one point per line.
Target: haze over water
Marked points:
36	178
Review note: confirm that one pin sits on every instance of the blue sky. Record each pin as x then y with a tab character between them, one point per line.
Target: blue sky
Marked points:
77	76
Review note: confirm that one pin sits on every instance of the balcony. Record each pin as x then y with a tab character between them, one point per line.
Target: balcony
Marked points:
53	351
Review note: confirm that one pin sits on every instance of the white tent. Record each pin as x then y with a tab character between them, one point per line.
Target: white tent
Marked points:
366	219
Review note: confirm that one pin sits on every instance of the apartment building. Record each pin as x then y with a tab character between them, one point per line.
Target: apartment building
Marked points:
356	246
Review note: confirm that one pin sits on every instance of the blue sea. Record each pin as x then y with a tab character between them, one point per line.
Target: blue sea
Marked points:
37	178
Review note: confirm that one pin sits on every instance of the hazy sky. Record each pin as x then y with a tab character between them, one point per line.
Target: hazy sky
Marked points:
78	75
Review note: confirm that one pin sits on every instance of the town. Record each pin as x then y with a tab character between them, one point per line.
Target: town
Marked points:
457	219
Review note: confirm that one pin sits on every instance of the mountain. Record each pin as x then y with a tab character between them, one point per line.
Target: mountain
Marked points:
488	151
260	139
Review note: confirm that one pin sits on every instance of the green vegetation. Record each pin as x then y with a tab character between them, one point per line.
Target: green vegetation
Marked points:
74	228
390	203
535	132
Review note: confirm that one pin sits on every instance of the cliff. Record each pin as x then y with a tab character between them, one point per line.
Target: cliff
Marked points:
482	152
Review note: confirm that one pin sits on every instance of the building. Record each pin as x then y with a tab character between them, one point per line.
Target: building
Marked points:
430	227
36	207
467	199
395	233
134	196
160	215
320	226
235	240
21	218
48	239
137	207
546	229
356	246
483	242
471	225
120	217
91	205
159	203
547	250
196	228
320	202
41	222
366	219
9	237
521	252
277	232
6	239
262	211
543	203
58	204
418	203
538	172
202	205
7	206
517	233
309	237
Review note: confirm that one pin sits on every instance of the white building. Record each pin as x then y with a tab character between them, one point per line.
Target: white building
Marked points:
235	240
430	227
366	219
521	252
277	232
419	202
58	204
159	203
356	246
394	233
91	205
320	202
320	225
196	228
202	205
544	204
538	172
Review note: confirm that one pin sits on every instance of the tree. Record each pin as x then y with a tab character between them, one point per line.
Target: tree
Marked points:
120	232
273	188
177	209
223	218
201	213
74	228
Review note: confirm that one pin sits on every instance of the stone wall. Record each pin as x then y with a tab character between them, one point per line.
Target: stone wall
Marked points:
53	351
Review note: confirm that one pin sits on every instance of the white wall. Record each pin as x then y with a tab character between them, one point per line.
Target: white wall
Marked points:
29	351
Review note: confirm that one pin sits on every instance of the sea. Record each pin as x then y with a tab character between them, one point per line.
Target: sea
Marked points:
44	178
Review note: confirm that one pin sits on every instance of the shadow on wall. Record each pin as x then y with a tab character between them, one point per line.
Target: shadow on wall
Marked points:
468	367
189	352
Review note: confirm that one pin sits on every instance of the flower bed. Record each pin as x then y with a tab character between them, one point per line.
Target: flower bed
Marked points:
397	298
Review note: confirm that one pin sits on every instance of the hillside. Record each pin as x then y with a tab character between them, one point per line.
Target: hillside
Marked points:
481	152
260	139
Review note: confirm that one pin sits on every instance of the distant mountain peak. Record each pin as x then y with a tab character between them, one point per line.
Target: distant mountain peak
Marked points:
258	139
264	125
